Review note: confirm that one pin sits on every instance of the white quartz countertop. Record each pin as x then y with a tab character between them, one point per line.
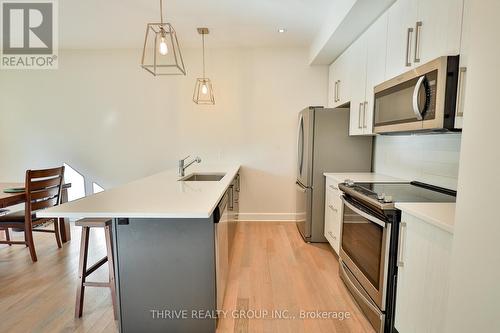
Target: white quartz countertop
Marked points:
364	177
442	215
158	196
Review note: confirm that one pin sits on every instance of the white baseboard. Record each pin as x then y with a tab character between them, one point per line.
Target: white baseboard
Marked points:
268	217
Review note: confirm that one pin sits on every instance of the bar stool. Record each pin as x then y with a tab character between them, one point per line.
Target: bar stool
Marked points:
84	272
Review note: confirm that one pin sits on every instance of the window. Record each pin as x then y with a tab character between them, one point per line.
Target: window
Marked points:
96	188
77	181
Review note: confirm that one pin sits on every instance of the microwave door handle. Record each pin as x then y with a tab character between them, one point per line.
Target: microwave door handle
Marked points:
416	108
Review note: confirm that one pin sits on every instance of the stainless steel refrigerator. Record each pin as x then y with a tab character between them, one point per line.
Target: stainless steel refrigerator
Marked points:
324	145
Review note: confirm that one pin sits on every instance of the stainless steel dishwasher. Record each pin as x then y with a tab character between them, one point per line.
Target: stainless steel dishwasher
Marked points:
222	248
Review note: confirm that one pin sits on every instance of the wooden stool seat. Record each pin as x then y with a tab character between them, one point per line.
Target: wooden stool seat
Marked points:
84	272
90	222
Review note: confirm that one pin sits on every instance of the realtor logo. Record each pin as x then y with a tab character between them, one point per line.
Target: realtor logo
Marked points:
29	34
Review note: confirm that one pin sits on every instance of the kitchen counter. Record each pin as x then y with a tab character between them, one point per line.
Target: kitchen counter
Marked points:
171	243
442	215
158	196
363	177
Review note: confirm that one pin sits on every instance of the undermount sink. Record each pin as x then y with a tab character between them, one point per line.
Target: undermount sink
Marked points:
203	177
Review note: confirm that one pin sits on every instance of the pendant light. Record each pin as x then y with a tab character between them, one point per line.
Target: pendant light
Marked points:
203	91
161	54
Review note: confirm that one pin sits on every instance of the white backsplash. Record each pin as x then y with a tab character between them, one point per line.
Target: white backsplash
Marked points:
432	158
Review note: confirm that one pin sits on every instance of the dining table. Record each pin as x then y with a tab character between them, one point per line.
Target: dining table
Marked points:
12	199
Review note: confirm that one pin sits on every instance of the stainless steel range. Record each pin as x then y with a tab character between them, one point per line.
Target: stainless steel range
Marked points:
369	245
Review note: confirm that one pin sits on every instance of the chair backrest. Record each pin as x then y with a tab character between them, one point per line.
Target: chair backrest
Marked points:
43	189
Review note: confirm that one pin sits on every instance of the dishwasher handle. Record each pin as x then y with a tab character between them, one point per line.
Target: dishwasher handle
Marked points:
219	210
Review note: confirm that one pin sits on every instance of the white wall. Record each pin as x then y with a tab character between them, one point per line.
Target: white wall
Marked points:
431	158
474	301
109	119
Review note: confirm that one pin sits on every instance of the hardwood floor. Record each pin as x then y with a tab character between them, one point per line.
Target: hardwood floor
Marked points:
40	297
272	269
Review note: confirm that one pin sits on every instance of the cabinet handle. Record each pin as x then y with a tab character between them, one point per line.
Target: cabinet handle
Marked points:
408	47
335	92
238	182
331	234
401	244
359	115
231	195
332	208
364	118
338	91
418	28
365	104
461	75
334	188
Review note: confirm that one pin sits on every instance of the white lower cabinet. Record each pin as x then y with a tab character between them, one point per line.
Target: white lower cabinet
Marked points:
333	214
424	255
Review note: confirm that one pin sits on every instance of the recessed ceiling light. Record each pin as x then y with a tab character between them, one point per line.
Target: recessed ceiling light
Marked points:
281	30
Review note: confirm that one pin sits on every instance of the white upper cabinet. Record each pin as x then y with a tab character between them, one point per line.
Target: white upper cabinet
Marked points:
368	54
339	89
402	17
331	86
376	42
437	30
420	31
464	61
357	74
409	34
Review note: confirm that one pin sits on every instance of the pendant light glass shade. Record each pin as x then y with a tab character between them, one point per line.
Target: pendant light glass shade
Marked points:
203	90
162	54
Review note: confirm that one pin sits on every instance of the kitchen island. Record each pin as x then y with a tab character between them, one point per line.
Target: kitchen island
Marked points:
171	243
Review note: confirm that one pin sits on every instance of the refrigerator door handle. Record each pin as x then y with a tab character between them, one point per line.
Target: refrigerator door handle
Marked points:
300	187
300	145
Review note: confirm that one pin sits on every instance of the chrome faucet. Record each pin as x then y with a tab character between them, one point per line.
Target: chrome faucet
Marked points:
183	167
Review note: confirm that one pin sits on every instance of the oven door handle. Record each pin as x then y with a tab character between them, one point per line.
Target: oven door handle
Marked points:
363	214
401	244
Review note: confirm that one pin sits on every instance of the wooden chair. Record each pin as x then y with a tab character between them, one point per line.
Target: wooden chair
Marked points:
84	272
5	230
43	190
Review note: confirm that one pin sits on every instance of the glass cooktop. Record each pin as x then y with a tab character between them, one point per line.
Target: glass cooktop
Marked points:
405	192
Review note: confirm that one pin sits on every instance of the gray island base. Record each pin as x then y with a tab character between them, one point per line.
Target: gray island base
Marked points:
166	274
172	238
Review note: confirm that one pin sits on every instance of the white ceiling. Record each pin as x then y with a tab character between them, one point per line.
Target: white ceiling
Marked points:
91	24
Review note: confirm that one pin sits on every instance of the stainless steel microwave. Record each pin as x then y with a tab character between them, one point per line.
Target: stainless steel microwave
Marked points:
423	99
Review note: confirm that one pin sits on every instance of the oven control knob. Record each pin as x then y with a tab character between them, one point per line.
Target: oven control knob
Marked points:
349	182
380	196
388	199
